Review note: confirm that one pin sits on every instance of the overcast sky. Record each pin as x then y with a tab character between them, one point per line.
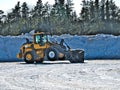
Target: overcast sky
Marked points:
7	5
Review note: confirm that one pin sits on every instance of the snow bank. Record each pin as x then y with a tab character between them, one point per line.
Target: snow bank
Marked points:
9	47
96	47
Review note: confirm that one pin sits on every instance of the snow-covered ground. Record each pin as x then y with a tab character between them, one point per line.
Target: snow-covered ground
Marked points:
91	75
96	47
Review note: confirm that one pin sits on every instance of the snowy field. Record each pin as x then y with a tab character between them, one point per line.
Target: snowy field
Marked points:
91	75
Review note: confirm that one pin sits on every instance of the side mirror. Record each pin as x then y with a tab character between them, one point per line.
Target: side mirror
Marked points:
27	40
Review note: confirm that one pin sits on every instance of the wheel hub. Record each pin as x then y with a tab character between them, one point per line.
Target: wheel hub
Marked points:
28	57
51	54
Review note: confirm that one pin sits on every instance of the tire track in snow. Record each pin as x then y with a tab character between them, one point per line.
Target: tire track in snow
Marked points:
93	75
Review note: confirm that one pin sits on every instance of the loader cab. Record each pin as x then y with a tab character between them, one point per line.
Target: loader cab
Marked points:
40	38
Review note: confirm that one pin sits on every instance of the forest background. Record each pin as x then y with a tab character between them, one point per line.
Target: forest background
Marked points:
96	17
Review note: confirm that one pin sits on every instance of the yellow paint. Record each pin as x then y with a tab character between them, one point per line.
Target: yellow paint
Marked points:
39	50
19	56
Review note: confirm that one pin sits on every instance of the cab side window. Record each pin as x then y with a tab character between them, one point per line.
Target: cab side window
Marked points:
44	39
37	38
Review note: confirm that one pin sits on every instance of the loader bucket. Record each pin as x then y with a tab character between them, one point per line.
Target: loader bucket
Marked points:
75	56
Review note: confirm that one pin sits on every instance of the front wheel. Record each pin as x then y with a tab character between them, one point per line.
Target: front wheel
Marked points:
51	54
29	57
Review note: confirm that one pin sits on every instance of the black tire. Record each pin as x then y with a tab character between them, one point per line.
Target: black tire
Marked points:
77	56
29	60
39	61
51	54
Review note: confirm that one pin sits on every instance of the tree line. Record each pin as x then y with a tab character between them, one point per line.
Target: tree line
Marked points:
96	16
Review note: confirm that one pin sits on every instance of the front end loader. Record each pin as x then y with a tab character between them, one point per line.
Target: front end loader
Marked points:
41	49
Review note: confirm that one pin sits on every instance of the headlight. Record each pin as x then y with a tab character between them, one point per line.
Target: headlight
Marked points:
26	46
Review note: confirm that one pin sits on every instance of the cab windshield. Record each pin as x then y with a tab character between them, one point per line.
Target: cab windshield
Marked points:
40	39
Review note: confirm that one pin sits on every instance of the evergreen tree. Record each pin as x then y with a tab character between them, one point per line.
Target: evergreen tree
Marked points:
10	17
85	10
118	15
54	10
1	22
1	15
107	10
102	10
46	9
62	2
59	9
114	10
74	16
97	5
97	13
92	10
16	10
69	8
25	10
38	9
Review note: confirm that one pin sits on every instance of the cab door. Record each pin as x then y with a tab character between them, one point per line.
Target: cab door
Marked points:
40	44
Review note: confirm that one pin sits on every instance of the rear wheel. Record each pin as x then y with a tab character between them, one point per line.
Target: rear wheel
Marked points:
29	57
